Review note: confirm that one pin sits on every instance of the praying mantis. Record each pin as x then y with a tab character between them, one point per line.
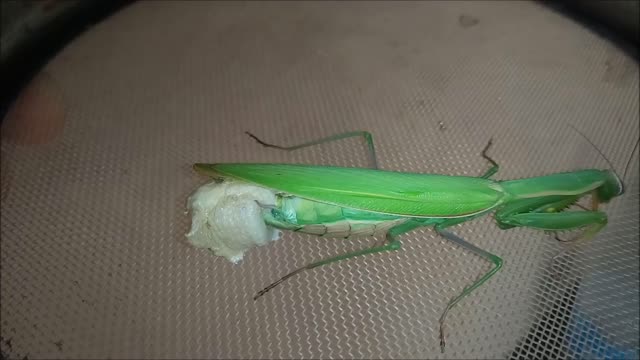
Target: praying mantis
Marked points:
343	202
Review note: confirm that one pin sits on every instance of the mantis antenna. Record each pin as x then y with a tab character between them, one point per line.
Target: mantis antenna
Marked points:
626	168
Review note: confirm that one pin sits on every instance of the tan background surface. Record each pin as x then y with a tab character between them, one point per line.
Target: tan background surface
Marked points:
96	160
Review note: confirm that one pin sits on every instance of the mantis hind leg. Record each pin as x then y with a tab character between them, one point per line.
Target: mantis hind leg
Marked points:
371	152
391	244
494	259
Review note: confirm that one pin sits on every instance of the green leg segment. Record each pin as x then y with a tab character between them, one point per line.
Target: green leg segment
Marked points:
365	134
390	244
545	214
545	205
592	221
494	259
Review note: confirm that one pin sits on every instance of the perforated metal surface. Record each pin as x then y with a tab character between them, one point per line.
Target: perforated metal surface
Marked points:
96	169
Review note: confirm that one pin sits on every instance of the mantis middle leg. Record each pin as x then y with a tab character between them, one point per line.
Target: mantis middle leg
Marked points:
494	259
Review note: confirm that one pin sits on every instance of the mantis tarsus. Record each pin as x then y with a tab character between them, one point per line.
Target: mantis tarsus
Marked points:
349	202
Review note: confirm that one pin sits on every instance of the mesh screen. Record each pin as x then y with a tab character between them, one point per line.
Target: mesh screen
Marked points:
96	169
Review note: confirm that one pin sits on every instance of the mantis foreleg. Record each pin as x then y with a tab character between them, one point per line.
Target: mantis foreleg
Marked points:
546	214
535	213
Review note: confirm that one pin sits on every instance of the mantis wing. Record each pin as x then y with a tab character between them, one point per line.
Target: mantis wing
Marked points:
388	192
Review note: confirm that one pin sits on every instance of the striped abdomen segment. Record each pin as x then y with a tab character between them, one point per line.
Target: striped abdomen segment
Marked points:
351	228
328	220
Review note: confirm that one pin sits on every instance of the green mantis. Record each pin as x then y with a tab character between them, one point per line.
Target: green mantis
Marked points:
347	202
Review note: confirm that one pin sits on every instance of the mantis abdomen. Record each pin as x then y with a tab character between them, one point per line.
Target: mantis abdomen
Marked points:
315	218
